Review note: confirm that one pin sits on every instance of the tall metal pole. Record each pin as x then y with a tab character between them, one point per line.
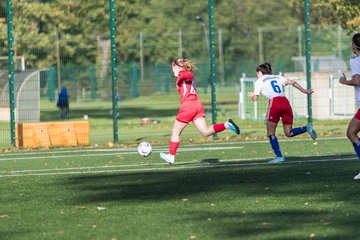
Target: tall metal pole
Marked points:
299	41
339	45
58	60
261	45
141	42
113	71
201	19
308	55
221	58
212	61
180	48
11	71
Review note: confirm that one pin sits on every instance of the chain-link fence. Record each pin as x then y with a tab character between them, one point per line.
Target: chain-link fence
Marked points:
67	44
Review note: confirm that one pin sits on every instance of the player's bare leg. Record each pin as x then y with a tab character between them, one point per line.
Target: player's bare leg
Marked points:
177	129
206	131
287	130
292	132
200	124
352	131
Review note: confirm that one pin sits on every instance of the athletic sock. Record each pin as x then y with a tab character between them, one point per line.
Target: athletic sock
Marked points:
173	147
297	131
275	145
219	127
356	145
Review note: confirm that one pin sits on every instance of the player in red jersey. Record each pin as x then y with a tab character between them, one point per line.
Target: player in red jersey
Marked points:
191	109
271	86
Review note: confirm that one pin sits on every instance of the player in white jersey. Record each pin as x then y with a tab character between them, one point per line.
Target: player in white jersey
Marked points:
354	125
271	86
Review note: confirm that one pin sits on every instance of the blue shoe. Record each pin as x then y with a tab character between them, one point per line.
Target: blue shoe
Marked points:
167	158
277	160
311	131
229	124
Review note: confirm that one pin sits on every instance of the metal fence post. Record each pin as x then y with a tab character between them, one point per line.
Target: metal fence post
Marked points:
212	61
93	82
11	71
51	83
113	72
308	55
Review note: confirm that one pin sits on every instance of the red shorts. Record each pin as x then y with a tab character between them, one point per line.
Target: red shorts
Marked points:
357	114
279	107
190	111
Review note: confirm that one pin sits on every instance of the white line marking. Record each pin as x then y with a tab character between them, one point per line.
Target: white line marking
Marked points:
196	145
36	152
223	163
115	153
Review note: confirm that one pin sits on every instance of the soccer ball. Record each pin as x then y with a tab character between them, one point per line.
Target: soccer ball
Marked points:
144	149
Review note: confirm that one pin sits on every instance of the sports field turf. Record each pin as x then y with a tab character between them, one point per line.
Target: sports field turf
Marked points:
215	190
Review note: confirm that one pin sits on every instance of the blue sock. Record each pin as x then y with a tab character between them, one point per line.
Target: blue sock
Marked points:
297	131
356	145
275	145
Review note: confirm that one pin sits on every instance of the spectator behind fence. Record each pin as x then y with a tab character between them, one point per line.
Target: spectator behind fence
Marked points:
63	102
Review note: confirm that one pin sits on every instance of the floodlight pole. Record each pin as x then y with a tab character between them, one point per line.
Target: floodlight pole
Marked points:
206	36
11	72
201	20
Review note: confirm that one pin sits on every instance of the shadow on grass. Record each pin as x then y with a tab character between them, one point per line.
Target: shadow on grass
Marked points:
277	224
268	198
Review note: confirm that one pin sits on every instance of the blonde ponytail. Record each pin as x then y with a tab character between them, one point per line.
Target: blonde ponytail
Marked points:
185	64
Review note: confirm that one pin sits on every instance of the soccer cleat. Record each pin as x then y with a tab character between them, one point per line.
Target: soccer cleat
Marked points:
167	158
229	124
277	160
311	131
357	177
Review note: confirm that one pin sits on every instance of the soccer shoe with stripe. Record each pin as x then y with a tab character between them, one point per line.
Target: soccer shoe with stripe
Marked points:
311	131
167	158
357	177
229	124
277	160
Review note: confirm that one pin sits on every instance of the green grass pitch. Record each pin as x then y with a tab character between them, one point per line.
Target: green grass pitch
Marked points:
215	190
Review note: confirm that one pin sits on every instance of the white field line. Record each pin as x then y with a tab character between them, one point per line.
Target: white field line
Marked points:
128	149
115	153
117	150
88	170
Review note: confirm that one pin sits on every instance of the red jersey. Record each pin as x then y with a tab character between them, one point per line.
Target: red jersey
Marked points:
185	85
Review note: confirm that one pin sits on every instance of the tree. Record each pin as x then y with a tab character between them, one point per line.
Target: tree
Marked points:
342	12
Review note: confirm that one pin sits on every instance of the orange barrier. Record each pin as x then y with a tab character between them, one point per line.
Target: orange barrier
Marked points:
46	134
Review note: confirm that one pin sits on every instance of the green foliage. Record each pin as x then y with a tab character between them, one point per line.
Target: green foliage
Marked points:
82	25
341	12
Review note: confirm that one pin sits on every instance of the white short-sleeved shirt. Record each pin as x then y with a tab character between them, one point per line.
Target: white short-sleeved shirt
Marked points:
270	86
355	69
